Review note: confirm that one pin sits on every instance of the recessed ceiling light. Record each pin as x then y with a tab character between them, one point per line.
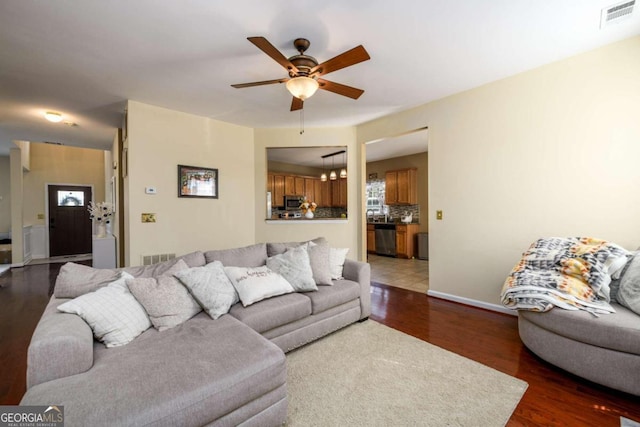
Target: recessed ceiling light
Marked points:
53	117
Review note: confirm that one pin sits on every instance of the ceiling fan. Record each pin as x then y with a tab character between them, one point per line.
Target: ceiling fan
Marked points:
304	71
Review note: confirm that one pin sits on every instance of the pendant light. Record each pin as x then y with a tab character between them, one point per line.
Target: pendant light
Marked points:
333	175
323	177
343	171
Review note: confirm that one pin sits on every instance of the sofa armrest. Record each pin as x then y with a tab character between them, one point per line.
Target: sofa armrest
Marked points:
61	345
360	272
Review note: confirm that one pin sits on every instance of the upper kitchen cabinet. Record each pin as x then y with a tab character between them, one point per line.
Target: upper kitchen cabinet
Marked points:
401	187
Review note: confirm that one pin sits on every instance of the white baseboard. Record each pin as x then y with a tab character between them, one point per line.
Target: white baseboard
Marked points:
472	302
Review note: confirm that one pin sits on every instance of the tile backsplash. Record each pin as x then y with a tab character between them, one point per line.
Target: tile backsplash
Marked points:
396	212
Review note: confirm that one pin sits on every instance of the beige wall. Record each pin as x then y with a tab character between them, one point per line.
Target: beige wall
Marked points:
158	141
418	161
55	164
294	169
339	235
550	152
5	194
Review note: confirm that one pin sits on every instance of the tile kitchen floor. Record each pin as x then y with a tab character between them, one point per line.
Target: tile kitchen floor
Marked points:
411	274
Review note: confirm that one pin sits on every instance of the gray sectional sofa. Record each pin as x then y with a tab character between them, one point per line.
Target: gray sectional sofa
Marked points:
228	371
604	349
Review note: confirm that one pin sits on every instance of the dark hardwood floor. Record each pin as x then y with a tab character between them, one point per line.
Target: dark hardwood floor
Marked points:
554	397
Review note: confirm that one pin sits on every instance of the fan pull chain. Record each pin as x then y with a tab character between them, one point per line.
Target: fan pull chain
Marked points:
301	122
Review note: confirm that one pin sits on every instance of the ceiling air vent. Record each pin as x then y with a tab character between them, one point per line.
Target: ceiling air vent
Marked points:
616	13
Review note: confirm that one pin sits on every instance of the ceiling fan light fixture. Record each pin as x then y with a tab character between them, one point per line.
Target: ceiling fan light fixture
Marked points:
302	87
53	116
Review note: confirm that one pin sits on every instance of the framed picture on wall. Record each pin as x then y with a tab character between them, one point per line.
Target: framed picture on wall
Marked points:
194	181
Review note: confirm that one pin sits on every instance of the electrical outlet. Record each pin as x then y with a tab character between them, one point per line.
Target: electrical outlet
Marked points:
438	214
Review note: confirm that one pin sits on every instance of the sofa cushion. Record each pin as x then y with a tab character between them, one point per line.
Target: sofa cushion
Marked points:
76	279
273	312
248	256
193	374
257	283
294	266
167	302
194	259
211	287
617	331
114	315
328	297
61	345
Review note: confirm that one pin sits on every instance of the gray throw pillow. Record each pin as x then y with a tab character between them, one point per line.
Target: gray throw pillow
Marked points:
75	280
166	301
319	259
211	287
294	266
248	256
629	291
318	249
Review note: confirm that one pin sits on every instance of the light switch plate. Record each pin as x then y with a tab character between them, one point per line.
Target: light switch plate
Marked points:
150	190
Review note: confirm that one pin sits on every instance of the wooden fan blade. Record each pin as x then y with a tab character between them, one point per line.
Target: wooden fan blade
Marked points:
266	82
264	45
340	89
346	59
296	104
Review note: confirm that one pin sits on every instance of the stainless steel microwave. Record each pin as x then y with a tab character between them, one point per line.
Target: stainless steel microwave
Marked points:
292	203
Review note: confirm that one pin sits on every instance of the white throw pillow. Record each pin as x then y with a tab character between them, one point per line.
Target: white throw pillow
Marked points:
113	314
295	267
257	283
337	257
211	287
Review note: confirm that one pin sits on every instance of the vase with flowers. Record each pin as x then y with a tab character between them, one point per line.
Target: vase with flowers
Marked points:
308	208
101	213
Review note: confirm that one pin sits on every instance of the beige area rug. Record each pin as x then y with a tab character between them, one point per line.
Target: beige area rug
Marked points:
370	375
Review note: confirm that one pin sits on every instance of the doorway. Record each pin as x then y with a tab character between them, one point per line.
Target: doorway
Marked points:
70	227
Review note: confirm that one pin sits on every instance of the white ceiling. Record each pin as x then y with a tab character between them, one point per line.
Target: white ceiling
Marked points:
85	58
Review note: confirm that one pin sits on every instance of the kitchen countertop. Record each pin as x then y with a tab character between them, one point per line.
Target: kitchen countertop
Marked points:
307	221
393	222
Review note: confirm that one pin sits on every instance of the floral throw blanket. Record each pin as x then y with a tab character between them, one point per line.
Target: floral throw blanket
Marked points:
572	273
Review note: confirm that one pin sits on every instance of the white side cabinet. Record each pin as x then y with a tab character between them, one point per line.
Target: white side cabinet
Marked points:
104	251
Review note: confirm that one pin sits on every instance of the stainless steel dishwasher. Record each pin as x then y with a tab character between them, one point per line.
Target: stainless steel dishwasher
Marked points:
385	239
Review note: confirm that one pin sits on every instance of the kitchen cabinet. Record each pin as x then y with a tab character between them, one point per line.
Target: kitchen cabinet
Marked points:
326	194
339	193
401	187
298	186
405	237
310	189
277	189
371	238
289	185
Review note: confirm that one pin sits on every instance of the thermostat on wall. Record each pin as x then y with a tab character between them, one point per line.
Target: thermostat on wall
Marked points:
150	190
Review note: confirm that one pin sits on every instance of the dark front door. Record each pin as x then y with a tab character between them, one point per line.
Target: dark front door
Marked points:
70	228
